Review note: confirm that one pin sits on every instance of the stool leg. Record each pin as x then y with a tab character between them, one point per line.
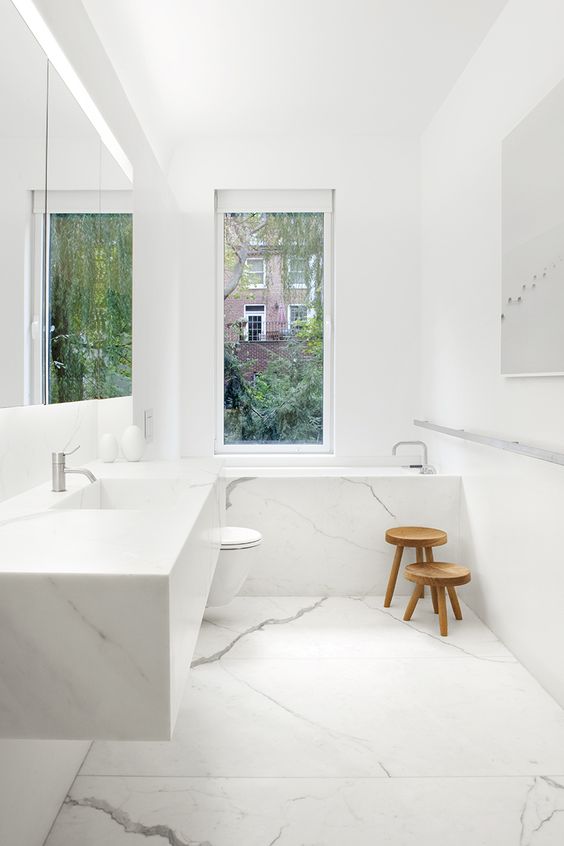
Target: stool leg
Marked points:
455	603
443	623
415	597
419	560
430	559
393	577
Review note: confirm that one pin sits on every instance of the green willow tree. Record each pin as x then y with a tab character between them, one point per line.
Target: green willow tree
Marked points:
90	298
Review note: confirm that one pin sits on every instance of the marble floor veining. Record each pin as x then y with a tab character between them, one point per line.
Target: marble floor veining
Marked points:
331	722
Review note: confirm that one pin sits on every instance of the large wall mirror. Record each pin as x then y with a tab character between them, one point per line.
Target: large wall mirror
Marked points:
532	340
65	239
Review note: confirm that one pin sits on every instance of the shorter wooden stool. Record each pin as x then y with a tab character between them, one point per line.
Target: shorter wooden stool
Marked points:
414	537
438	575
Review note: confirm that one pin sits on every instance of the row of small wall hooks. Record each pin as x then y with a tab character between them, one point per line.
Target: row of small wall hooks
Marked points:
531	285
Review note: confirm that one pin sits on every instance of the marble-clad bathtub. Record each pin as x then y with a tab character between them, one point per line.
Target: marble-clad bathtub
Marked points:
324	527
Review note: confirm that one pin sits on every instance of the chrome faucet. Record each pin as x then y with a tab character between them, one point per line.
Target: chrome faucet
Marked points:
425	468
60	470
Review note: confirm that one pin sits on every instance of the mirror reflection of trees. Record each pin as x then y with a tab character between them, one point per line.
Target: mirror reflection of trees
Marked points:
90	299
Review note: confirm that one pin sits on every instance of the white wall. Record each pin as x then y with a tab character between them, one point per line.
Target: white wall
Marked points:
22	167
34	776
513	506
376	248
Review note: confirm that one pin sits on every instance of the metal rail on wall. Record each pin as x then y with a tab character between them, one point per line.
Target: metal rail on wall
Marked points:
498	443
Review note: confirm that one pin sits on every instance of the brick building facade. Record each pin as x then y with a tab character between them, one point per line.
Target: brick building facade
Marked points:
260	315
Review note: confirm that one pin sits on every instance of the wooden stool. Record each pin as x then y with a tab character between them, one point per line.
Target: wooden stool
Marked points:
415	537
438	575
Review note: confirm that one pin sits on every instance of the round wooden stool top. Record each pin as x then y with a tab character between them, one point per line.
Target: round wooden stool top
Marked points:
416	536
437	573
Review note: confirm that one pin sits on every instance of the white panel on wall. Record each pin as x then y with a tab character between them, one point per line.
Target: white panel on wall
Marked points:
532	303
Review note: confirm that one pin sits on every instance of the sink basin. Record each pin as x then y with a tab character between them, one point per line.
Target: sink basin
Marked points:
126	494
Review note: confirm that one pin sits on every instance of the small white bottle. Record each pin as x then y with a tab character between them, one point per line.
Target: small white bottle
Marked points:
108	448
133	443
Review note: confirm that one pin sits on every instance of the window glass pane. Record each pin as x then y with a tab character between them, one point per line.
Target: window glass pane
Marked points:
296	313
90	292
298	272
254	272
273	349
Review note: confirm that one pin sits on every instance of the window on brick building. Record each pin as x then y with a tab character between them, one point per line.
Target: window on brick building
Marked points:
274	386
254	323
298	272
297	314
255	271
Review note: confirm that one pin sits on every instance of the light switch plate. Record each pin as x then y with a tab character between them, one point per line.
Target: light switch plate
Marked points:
148	424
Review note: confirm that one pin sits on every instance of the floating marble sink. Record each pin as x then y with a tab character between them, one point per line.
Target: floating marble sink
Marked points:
102	593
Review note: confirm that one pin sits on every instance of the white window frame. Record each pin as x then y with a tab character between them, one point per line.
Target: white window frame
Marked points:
251	273
278	201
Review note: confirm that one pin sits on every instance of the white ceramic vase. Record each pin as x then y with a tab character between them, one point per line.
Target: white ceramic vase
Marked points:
108	448
133	443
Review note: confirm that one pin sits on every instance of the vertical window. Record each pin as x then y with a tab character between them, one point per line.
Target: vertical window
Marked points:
274	384
82	347
254	268
254	320
297	314
89	294
298	271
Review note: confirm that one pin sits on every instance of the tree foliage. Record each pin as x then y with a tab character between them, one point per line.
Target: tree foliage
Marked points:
90	297
284	403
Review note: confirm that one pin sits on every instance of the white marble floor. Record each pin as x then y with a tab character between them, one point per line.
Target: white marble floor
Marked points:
330	722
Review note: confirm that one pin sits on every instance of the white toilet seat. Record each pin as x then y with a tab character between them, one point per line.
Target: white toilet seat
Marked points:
237	537
234	563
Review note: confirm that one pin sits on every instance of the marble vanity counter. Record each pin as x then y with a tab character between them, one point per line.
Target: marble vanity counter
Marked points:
40	534
100	606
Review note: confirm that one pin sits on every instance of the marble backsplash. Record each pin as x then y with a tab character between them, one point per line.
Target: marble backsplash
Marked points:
325	534
29	435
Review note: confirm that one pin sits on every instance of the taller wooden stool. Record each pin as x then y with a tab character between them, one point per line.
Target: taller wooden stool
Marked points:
414	537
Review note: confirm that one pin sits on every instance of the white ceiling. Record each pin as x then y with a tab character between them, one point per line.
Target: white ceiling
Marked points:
288	66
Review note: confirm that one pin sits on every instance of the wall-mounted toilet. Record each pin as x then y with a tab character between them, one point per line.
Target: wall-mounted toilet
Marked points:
234	563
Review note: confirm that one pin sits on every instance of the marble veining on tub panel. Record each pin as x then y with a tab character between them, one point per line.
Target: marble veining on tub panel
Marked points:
325	534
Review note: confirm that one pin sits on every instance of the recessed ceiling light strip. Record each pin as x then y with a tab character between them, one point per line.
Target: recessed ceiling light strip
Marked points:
58	59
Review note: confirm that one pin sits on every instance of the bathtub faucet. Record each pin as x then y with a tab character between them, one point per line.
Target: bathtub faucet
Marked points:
425	468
